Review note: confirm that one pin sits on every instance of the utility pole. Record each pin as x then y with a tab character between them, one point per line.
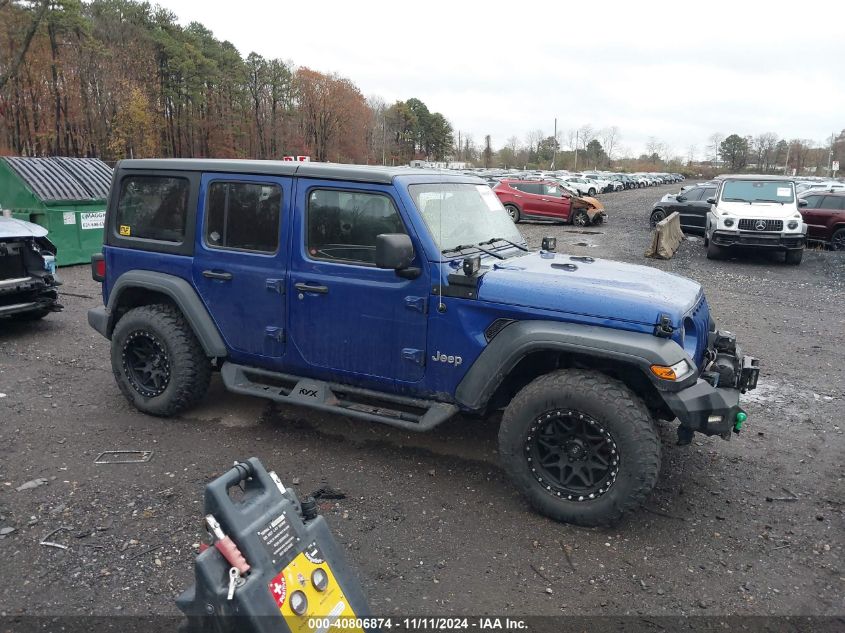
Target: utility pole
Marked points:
830	157
786	164
460	147
383	135
554	147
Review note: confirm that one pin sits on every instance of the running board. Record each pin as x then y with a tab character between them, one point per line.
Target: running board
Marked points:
410	414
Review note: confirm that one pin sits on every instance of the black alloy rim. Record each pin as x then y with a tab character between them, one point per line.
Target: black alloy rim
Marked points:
145	364
571	455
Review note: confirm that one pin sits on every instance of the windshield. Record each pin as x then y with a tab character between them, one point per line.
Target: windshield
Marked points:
757	191
463	215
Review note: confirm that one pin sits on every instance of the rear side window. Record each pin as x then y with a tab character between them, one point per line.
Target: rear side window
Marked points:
693	194
834	203
243	216
153	207
343	225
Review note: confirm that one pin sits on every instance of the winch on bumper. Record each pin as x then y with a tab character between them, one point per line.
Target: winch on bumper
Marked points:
711	405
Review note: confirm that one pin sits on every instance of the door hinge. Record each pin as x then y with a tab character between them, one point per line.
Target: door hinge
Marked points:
416	303
276	285
414	355
276	333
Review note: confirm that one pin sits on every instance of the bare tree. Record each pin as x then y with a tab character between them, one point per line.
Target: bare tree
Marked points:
692	150
610	139
27	40
713	143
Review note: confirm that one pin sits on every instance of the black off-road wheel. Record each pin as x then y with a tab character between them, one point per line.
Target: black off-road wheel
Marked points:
581	446
157	360
658	215
513	212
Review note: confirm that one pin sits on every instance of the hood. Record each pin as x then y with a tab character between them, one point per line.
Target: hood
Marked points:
10	227
669	197
598	288
758	209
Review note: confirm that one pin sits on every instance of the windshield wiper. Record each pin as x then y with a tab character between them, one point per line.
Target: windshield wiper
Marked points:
458	249
501	239
766	200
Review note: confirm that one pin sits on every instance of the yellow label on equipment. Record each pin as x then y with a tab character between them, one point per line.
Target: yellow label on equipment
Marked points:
309	596
125	230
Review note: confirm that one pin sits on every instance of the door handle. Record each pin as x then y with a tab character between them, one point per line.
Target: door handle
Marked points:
320	290
213	274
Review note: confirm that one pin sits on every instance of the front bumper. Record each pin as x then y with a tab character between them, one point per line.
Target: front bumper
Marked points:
754	239
711	405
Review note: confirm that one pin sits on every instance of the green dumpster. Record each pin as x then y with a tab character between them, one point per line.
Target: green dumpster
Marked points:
67	196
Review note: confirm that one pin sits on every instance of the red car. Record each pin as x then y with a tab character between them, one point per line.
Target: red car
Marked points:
546	200
824	216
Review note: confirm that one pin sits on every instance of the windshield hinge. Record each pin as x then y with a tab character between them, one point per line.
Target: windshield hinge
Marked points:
664	328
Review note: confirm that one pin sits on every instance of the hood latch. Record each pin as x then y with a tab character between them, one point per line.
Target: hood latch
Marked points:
664	328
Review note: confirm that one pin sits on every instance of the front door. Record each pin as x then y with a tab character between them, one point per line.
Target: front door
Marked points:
349	319
240	262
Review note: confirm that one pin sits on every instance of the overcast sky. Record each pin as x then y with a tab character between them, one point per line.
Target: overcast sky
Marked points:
653	69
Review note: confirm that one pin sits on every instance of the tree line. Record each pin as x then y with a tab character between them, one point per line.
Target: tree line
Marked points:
119	78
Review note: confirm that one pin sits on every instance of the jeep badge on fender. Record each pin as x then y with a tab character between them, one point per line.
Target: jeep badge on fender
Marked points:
337	286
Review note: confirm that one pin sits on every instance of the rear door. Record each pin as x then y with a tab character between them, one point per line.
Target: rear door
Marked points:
530	200
240	260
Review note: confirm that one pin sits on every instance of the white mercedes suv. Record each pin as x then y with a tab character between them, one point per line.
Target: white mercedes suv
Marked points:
758	212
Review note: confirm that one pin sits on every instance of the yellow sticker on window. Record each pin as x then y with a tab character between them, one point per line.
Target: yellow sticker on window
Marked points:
125	230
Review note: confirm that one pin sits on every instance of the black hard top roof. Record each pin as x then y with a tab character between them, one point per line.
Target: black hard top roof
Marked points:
329	171
58	178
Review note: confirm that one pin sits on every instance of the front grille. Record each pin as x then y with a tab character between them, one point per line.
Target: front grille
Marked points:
747	224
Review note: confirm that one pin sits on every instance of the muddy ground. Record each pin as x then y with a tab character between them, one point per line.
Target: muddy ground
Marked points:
430	522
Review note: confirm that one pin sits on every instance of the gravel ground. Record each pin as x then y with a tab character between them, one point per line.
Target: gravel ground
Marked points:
431	523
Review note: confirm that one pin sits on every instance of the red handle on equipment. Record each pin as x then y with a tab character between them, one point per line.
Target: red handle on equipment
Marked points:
232	554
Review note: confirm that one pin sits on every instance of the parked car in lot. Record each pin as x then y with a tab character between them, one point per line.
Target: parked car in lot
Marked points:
825	217
830	185
28	282
547	200
756	211
584	186
691	205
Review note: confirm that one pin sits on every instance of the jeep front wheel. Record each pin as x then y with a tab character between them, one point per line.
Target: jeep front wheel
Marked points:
157	360
581	446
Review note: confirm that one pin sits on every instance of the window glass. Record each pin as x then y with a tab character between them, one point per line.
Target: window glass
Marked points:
243	216
813	202
834	203
343	225
153	207
757	191
709	192
552	190
693	194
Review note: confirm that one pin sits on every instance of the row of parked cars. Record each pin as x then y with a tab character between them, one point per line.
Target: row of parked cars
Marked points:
747	210
582	183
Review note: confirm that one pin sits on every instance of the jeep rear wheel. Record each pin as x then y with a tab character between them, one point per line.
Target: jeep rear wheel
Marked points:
580	446
157	360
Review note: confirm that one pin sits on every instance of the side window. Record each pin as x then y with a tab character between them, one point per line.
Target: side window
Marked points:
813	202
535	188
709	192
517	185
693	194
834	203
153	208
243	216
552	190
343	225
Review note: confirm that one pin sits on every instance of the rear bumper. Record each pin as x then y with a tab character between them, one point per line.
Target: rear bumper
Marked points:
788	241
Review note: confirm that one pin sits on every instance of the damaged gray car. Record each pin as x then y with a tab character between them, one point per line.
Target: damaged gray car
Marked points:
28	282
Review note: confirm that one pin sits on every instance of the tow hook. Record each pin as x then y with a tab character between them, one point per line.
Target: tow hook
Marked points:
741	417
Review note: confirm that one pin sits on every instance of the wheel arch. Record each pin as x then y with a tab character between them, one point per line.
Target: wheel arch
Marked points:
143	287
527	349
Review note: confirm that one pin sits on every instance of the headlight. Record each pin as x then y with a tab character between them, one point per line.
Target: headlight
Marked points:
792	225
678	371
729	222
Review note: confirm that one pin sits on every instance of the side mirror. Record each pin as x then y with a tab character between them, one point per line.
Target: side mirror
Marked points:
802	203
711	200
681	197
394	251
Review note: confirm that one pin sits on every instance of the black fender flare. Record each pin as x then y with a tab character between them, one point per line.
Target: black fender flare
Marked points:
183	295
519	339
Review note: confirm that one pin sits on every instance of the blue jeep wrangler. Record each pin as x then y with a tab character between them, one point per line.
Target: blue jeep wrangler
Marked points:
405	297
